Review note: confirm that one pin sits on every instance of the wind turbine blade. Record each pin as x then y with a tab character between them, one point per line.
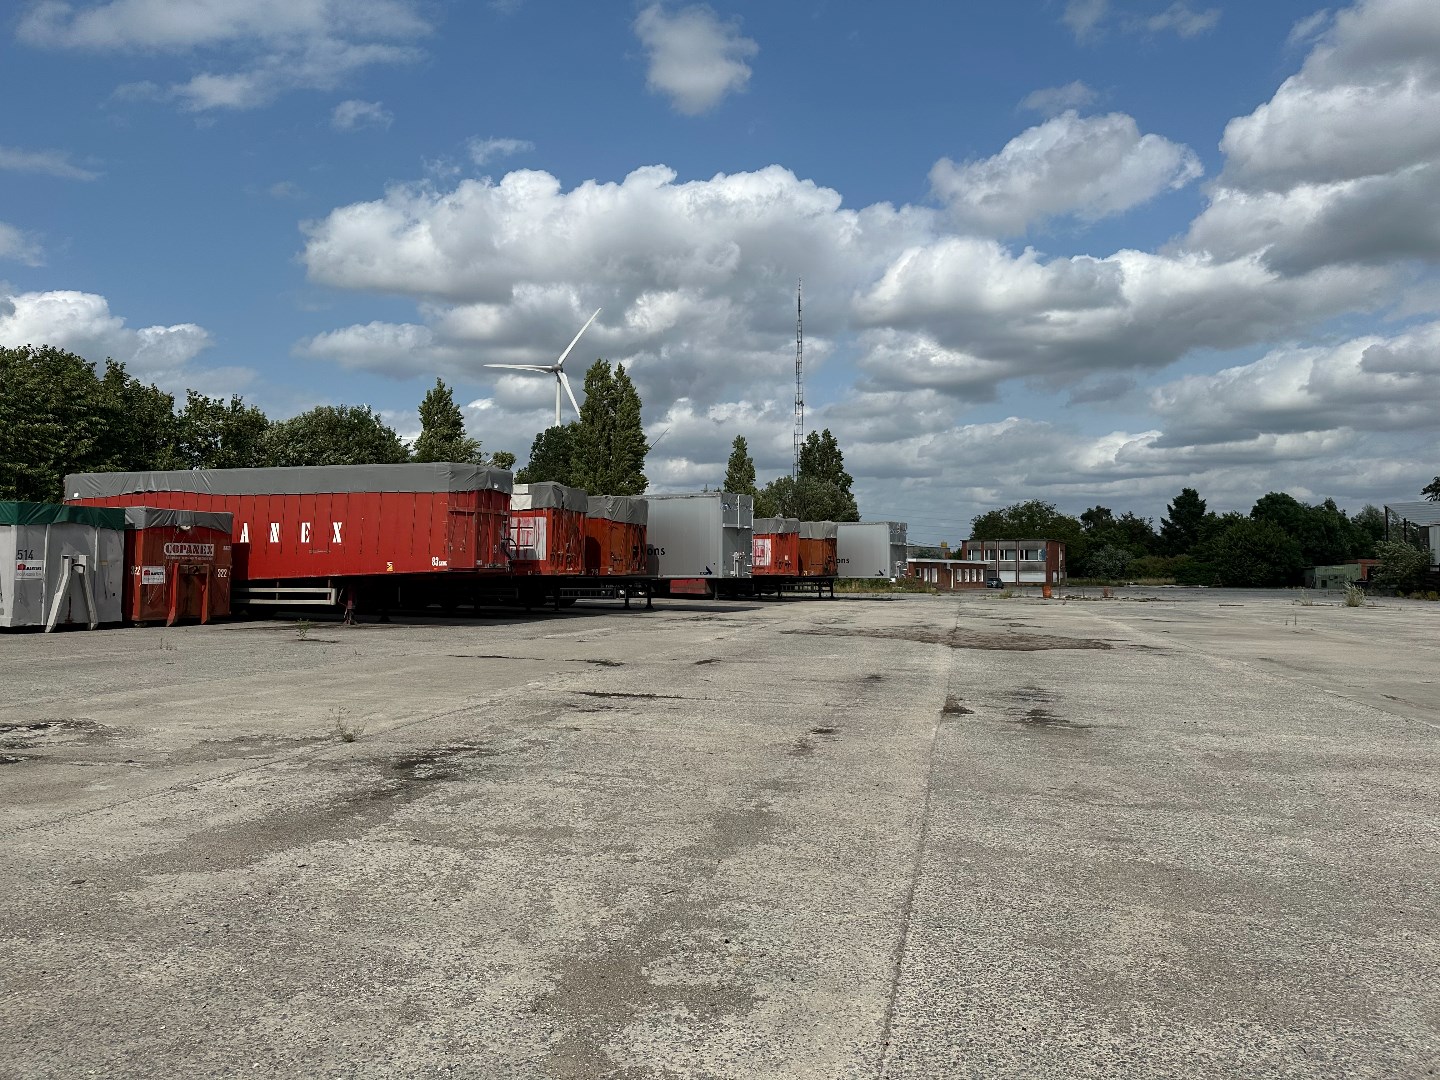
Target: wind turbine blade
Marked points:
517	367
561	362
565	382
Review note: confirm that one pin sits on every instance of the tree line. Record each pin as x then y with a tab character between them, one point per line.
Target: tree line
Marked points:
61	414
1272	545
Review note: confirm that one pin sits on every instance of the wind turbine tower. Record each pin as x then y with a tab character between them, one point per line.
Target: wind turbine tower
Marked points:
799	379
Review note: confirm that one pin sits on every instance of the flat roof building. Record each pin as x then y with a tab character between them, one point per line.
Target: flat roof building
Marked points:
947	575
1019	562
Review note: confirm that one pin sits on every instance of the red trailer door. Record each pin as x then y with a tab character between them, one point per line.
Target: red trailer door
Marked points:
462	528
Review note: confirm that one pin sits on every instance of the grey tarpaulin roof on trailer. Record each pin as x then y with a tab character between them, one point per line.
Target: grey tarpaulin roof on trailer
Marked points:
771	526
296	480
818	530
620	508
548	495
154	517
29	513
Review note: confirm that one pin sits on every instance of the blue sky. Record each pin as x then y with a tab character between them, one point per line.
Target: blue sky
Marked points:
1087	251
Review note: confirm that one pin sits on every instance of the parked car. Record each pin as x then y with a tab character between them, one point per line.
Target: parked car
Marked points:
994	583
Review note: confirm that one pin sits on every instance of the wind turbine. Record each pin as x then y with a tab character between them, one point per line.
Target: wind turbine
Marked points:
557	369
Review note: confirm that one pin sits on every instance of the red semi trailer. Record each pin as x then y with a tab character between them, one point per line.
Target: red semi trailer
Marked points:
775	547
615	536
378	534
818	558
547	530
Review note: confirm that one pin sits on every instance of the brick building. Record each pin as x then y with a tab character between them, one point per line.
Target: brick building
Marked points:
947	575
1019	562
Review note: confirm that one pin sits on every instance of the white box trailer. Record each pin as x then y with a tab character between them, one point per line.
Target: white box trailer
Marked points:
699	534
60	564
867	549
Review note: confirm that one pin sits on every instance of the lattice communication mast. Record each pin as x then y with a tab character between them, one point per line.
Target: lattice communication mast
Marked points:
799	379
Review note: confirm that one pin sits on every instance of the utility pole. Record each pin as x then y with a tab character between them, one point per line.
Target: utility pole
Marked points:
799	380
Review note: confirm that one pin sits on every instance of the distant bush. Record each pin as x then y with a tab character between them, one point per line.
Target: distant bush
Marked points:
1401	564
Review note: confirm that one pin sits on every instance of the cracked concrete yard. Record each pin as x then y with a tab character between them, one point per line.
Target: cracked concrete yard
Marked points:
889	838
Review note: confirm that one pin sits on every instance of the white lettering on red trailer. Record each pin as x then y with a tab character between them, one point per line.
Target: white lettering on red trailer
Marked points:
304	532
245	532
335	528
274	532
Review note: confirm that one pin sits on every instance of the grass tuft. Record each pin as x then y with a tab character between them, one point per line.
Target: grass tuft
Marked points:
348	730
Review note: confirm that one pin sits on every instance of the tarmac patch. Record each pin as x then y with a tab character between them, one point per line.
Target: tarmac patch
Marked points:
962	639
42	733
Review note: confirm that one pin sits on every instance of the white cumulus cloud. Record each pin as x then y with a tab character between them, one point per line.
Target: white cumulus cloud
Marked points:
695	57
83	323
1089	167
1343	162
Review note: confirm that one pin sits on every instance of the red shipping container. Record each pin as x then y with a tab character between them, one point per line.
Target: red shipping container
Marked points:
547	529
775	547
615	536
818	555
178	565
333	521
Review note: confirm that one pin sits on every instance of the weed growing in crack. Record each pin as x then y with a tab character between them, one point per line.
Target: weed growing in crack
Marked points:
348	730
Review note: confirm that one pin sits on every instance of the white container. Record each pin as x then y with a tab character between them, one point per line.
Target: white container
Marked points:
700	534
60	564
868	549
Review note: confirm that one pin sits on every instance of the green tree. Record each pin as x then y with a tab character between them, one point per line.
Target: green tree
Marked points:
1182	527
334	435
1325	534
807	498
51	421
821	459
550	456
1369	524
1031	520
57	415
1036	520
740	469
1134	536
1431	490
212	433
1255	553
1401	564
503	459
139	421
442	429
1108	561
609	447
